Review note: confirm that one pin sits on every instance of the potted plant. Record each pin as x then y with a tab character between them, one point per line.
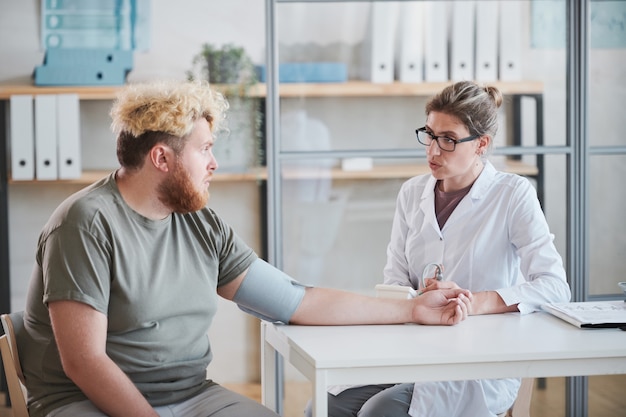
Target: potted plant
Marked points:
228	64
230	67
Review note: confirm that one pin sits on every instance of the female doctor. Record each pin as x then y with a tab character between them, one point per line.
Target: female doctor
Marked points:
485	231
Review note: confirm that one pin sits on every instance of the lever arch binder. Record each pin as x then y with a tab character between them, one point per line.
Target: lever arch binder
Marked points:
46	137
22	137
379	44
436	41
510	54
486	61
462	41
68	127
410	62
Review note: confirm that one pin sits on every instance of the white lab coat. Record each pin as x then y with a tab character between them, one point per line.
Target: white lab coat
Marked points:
497	238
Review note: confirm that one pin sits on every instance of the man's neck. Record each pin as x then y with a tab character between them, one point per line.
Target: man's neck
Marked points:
138	189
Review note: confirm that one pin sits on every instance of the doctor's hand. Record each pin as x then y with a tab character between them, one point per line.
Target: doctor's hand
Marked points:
433	284
482	302
447	306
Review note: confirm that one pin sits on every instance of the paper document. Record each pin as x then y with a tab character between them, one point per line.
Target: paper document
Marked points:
598	314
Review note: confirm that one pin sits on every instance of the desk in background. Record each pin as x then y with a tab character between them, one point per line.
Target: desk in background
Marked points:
490	346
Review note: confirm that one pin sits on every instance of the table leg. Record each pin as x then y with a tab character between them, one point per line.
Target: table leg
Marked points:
320	395
269	383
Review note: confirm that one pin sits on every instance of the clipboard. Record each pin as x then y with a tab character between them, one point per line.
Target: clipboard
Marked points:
590	314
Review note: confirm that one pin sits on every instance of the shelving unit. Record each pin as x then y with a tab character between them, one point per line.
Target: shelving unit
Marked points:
291	90
395	89
294	90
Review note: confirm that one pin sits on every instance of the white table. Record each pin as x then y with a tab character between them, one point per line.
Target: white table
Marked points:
491	346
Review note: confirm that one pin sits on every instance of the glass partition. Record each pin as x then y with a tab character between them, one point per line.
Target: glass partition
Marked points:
345	140
346	127
607	166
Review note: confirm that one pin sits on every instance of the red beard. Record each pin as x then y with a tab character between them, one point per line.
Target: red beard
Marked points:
179	194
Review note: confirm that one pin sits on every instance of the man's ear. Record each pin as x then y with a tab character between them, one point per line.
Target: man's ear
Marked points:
160	157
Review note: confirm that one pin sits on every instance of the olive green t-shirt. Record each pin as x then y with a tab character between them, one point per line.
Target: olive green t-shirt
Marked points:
155	281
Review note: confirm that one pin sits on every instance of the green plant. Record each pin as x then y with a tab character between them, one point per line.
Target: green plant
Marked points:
228	64
231	68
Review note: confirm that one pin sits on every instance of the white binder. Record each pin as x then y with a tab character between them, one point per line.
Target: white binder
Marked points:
486	41
68	128
462	41
436	41
21	132
380	42
410	60
46	137
510	56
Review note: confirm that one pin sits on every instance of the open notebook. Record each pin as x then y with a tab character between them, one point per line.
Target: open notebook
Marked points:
591	314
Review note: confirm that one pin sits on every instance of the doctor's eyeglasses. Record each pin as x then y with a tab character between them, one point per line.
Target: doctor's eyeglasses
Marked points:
447	144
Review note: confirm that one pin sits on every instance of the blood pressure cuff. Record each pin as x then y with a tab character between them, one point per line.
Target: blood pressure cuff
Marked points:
268	293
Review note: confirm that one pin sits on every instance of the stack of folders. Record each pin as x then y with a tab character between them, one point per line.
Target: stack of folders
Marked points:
439	41
44	135
90	43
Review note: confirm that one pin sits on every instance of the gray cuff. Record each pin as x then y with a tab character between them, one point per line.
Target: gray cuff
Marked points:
268	293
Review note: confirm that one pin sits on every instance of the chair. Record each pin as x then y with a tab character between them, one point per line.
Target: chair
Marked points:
521	406
13	323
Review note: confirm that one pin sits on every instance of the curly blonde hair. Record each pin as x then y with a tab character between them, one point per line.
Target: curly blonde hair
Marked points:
162	112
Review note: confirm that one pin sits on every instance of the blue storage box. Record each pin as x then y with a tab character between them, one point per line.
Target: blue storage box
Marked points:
89	57
79	75
89	67
308	72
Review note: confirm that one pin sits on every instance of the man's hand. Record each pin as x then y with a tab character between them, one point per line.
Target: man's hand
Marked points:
447	306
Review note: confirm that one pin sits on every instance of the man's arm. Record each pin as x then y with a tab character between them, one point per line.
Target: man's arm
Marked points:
324	306
80	333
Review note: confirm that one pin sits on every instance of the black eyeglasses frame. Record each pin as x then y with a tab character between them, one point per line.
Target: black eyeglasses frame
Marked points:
436	139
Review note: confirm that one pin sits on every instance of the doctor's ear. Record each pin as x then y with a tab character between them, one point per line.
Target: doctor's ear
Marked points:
483	145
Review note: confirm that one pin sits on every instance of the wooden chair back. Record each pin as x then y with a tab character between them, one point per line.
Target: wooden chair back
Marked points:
12	324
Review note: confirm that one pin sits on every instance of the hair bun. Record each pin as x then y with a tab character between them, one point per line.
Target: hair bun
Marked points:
495	94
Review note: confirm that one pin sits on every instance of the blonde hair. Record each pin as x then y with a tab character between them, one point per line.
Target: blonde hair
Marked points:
169	107
476	106
162	112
